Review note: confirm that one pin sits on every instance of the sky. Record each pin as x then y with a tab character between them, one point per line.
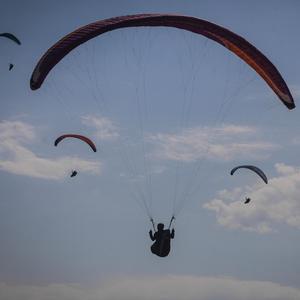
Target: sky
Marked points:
171	113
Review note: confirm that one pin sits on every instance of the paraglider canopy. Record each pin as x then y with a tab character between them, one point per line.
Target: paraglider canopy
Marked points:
11	36
255	169
230	40
77	136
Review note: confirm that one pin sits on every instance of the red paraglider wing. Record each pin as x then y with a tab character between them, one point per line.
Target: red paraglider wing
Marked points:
77	136
235	43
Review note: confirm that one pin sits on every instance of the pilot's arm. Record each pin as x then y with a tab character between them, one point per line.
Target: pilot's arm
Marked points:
172	233
151	235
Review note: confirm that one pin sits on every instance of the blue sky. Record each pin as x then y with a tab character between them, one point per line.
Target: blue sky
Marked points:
171	113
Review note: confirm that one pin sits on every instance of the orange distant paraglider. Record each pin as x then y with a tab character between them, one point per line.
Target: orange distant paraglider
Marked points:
77	136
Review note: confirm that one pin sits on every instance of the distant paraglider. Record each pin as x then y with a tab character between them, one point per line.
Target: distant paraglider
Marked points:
257	170
13	38
76	136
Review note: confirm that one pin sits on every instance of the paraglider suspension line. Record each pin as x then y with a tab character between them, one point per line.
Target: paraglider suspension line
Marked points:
151	220
172	219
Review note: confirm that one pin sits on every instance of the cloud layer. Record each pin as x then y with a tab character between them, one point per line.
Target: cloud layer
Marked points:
159	287
224	143
105	129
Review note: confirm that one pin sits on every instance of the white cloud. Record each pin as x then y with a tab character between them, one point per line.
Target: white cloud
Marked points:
296	140
225	142
284	169
105	128
157	169
272	204
160	287
16	158
16	130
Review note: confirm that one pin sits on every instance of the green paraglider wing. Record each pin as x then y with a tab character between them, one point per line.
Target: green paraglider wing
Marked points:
257	170
230	40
